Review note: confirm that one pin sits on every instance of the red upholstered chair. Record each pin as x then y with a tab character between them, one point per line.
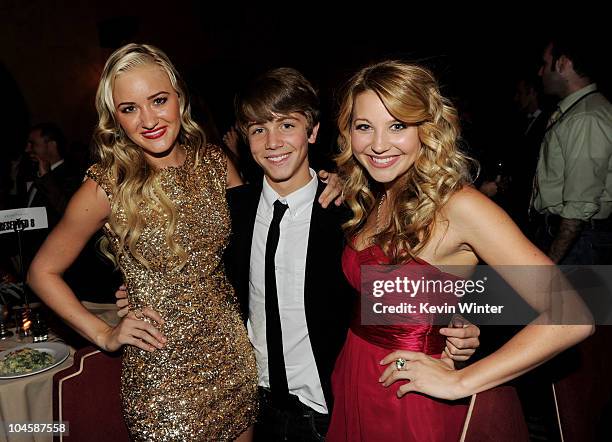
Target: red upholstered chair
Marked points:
86	396
495	415
584	397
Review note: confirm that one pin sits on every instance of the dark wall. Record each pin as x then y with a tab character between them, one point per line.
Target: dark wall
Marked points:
55	50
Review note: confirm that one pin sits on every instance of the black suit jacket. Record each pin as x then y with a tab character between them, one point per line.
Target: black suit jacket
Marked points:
53	191
328	298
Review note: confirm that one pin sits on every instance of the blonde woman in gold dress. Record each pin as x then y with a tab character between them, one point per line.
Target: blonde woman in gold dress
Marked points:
158	191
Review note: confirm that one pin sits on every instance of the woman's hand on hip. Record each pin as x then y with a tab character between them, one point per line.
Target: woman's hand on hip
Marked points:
427	375
135	330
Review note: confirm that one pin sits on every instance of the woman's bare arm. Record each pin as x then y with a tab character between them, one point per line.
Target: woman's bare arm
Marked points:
87	211
493	236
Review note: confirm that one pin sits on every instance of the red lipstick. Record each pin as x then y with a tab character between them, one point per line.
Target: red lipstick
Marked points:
155	133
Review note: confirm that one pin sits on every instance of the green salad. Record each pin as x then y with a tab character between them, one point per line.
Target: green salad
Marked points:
24	360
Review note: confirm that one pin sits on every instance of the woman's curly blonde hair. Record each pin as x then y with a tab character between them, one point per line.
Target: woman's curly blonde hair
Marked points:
411	95
134	183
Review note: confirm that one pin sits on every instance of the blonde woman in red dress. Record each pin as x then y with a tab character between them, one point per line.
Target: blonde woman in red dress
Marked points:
408	187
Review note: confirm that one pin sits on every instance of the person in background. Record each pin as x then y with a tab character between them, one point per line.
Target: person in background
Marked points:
530	104
512	185
573	187
52	183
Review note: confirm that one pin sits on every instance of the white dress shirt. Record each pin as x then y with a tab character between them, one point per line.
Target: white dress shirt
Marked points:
302	375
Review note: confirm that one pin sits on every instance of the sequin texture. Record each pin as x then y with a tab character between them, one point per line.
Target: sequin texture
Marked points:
203	385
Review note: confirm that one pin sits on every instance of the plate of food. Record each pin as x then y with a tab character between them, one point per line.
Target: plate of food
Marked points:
29	359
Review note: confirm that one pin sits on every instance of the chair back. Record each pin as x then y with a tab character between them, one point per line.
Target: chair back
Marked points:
87	395
495	414
584	396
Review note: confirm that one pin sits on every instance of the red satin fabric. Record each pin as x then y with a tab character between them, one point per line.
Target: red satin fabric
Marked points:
364	410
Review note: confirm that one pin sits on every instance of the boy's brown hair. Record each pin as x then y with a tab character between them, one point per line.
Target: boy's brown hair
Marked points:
278	92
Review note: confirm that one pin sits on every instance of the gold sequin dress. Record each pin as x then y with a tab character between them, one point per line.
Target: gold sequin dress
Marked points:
203	385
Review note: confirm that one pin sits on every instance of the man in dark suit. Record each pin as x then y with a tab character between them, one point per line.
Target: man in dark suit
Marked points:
54	181
51	185
528	100
508	176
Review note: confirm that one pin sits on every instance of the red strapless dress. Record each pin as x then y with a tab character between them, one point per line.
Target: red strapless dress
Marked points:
366	411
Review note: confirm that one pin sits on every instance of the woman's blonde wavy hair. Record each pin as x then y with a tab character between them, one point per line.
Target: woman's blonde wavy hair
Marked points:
411	95
134	183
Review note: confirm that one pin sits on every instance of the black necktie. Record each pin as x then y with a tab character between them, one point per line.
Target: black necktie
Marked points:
274	335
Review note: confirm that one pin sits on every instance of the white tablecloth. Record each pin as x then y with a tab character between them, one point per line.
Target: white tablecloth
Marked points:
29	399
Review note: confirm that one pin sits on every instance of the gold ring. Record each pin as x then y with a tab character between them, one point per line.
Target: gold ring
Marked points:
399	363
138	314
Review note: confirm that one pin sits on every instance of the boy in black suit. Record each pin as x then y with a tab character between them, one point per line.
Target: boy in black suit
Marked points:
298	327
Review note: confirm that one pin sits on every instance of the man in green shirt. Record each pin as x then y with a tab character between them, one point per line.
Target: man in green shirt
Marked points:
573	193
573	186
